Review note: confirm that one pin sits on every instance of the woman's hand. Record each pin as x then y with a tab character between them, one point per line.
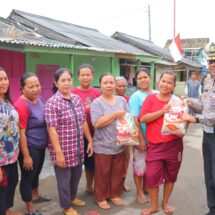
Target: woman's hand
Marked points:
178	133
90	149
166	108
142	145
119	113
60	159
1	175
135	136
28	163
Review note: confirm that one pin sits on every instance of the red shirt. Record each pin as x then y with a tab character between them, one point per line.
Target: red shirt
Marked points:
126	98
87	96
153	129
23	111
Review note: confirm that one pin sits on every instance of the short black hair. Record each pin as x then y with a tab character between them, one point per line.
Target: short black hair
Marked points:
211	61
25	76
142	69
57	75
106	74
173	74
85	65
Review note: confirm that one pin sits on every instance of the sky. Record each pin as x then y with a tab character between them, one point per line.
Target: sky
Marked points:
194	18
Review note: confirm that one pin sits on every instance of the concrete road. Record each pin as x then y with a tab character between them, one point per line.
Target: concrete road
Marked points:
188	197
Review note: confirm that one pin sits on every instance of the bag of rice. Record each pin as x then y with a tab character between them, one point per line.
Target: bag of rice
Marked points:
125	128
173	119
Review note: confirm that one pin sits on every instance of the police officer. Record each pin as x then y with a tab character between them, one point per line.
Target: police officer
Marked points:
206	116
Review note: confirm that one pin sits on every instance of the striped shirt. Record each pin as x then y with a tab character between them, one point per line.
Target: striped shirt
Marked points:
67	116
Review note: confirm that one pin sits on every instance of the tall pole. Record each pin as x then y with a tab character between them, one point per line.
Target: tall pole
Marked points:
174	18
149	18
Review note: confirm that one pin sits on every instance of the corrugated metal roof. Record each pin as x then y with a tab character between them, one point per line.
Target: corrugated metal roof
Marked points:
82	35
152	48
13	33
146	45
191	43
54	44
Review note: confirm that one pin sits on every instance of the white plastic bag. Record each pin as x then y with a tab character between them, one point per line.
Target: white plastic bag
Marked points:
125	128
173	119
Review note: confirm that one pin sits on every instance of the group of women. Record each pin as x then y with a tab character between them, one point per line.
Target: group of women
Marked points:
64	118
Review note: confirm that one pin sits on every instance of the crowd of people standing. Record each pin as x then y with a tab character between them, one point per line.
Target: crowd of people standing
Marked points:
78	125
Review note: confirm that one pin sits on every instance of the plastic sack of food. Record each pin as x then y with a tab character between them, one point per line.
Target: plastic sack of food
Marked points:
125	128
173	119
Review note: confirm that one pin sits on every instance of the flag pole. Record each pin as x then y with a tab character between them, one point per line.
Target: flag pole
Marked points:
174	18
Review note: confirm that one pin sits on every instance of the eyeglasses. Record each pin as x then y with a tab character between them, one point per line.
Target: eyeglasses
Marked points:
211	61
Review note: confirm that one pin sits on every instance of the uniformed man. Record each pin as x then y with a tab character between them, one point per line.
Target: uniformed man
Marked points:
206	116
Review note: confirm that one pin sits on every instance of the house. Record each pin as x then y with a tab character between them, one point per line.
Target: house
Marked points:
182	68
194	50
87	37
211	51
44	55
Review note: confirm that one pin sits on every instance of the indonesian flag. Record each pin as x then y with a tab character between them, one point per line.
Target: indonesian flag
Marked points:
175	48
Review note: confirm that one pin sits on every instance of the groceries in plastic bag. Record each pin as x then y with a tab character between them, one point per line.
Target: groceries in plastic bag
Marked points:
173	119
125	128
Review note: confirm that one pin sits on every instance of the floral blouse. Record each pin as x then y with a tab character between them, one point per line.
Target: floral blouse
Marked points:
9	134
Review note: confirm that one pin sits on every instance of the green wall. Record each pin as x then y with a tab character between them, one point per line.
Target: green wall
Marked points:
101	64
33	59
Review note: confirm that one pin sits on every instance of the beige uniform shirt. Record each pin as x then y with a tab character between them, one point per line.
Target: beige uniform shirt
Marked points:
206	107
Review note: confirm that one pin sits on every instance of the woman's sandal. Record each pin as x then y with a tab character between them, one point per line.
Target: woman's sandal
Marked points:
103	205
117	201
42	198
78	202
70	212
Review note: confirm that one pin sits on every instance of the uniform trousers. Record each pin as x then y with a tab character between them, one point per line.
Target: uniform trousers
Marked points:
208	148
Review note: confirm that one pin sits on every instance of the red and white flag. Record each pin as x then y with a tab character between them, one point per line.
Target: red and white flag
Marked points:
175	48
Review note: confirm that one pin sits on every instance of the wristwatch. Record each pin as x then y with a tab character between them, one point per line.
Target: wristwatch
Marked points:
197	119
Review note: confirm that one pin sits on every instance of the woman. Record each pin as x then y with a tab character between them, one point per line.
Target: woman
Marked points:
9	147
66	121
87	94
33	141
143	79
109	157
164	152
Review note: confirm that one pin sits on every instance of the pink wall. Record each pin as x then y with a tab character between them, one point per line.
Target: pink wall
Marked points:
14	64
